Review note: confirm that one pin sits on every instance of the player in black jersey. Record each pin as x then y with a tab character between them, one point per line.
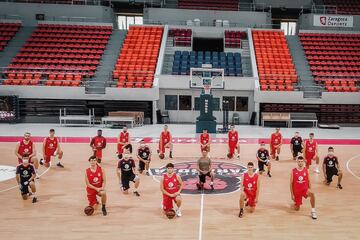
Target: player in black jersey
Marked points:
331	168
25	175
263	158
144	157
296	145
126	171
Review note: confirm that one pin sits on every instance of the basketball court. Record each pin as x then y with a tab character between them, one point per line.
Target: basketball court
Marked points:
212	215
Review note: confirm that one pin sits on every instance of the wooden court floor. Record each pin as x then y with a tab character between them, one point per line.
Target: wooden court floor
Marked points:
62	198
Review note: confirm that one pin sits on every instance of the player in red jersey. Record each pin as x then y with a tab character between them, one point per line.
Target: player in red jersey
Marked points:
205	141
171	185
123	140
165	142
250	189
233	143
311	152
51	148
95	180
300	186
275	144
27	146
98	143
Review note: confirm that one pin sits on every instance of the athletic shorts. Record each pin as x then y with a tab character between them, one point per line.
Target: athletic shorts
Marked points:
98	153
330	173
162	148
48	155
24	188
273	149
250	196
91	195
309	157
299	195
296	152
232	147
125	181
262	164
142	165
205	148
202	177
168	202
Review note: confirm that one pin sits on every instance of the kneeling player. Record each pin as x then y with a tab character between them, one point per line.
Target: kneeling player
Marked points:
51	147
126	171
171	185
300	186
165	142
98	143
95	180
275	144
233	143
205	141
263	158
144	157
204	169
25	175
331	168
250	189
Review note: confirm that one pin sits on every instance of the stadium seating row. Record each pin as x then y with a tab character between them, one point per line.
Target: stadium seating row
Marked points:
224	5
7	32
182	37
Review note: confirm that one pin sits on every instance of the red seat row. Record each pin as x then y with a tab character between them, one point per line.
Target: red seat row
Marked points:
233	38
182	37
224	5
7	32
78	54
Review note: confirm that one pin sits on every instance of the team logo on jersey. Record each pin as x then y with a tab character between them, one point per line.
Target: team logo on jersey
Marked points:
127	166
249	186
300	179
170	185
96	179
227	177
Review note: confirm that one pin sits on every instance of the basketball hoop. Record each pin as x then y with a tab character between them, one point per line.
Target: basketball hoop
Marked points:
207	88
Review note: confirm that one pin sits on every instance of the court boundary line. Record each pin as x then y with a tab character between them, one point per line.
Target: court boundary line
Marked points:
201	215
16	186
348	168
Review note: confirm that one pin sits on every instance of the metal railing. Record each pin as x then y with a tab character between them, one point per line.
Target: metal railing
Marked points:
72	2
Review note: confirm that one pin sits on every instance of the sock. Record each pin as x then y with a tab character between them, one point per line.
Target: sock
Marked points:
103	206
313	210
241	209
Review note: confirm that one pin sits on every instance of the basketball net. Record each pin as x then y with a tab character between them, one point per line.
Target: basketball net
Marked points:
207	89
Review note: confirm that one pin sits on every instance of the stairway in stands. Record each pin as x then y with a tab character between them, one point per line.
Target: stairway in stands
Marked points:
306	80
15	45
98	84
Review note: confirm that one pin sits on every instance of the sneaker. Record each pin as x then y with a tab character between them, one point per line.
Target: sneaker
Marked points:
136	194
147	174
178	213
238	156
104	212
170	155
41	161
60	165
34	200
277	158
339	186
198	186
241	213
269	174
212	187
313	215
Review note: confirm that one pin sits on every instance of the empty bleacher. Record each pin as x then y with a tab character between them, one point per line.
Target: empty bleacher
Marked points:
137	61
344	6
233	38
7	32
334	59
274	62
181	37
59	55
230	62
224	5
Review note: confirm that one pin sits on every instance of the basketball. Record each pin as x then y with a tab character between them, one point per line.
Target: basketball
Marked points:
229	156
170	214
89	210
161	156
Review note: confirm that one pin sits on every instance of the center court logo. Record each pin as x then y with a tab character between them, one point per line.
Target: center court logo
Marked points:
7	172
227	177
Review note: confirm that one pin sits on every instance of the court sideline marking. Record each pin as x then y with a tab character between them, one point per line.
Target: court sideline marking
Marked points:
16	186
201	215
348	168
